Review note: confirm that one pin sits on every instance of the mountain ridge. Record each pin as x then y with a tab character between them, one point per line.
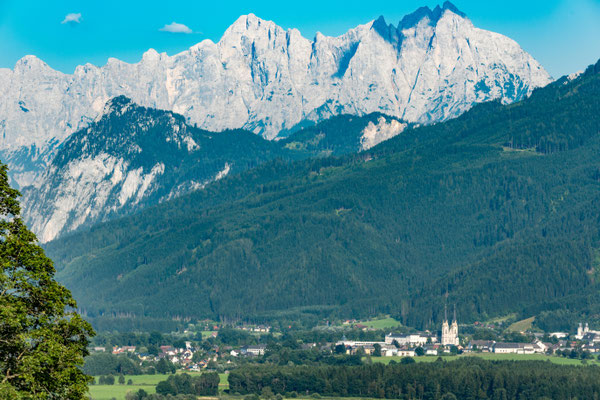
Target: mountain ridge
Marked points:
131	157
262	78
495	211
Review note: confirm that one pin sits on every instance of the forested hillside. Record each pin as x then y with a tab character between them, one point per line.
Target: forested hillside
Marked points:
132	157
496	211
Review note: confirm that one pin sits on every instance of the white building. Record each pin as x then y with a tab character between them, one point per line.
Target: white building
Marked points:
519	348
413	339
559	335
450	332
255	350
585	331
357	343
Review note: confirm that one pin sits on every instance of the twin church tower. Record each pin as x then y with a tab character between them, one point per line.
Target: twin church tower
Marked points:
449	332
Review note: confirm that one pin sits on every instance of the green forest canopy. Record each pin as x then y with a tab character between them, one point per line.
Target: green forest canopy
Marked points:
496	211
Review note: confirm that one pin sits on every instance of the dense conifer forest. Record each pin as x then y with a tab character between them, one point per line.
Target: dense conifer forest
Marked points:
469	378
496	211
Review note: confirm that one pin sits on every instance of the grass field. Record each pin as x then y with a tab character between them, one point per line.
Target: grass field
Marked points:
146	382
382	323
522	326
502	319
108	392
493	356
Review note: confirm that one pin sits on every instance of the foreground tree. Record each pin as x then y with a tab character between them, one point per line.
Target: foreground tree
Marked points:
42	340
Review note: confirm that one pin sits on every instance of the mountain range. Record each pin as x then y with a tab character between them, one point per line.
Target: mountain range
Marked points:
496	211
430	67
132	157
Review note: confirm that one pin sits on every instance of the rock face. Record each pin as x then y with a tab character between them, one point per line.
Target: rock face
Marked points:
129	158
432	66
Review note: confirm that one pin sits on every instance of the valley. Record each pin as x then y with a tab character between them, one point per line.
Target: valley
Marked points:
194	208
442	207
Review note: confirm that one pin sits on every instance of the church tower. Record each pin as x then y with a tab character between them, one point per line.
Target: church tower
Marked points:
449	332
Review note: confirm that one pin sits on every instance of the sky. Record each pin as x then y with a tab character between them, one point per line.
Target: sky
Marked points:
563	35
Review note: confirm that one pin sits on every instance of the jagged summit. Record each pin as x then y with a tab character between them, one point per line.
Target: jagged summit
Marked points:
434	15
250	22
268	80
449	6
31	63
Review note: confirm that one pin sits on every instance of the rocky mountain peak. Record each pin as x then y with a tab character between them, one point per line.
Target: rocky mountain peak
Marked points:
433	16
31	64
264	79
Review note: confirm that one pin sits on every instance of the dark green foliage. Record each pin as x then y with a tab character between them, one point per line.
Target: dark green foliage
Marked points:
206	384
468	378
235	337
496	211
106	363
42	340
336	136
164	366
106	380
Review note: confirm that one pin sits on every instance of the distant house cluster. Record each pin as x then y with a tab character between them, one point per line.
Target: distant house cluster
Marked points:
256	328
122	349
406	345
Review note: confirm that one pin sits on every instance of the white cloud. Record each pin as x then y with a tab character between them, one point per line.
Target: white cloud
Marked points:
174	27
72	18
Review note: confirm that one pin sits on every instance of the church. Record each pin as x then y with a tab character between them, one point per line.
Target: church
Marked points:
449	332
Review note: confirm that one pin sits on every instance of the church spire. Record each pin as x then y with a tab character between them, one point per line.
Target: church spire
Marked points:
454	320
445	312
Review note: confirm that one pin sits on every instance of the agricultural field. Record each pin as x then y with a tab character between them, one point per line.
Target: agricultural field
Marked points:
146	382
116	391
382	323
522	326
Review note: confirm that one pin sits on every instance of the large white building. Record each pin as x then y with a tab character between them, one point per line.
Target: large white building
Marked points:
413	339
585	331
520	348
450	332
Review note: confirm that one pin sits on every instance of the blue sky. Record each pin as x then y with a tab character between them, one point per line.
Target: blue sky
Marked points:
564	35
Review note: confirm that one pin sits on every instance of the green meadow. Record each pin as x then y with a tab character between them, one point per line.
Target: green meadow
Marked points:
382	323
146	382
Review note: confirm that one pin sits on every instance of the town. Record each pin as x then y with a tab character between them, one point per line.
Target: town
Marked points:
222	348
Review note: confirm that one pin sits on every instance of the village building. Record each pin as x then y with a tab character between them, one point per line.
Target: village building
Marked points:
450	332
257	350
484	346
413	339
585	333
520	348
559	335
123	349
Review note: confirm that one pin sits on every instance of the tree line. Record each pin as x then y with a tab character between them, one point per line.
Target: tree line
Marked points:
467	378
